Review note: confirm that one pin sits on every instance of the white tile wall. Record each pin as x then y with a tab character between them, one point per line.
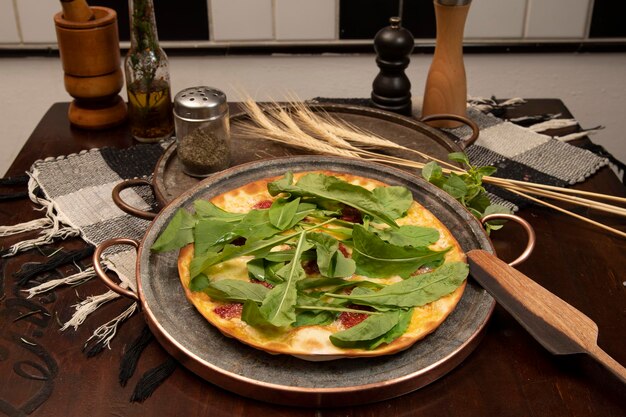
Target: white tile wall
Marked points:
496	19
302	20
305	19
36	20
8	26
557	18
241	20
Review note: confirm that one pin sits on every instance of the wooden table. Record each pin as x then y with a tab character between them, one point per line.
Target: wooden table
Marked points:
44	372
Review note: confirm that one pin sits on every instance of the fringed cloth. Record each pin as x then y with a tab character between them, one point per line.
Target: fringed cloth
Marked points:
74	193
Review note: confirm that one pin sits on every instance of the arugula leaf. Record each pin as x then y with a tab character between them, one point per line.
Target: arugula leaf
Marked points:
395	332
208	210
312	317
335	283
278	186
252	315
258	248
278	307
367	332
236	290
199	283
326	187
263	270
282	212
395	199
287	254
376	258
256	225
415	291
209	233
330	261
409	235
256	269
178	233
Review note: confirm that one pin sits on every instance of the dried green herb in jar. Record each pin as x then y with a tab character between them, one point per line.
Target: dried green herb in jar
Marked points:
202	152
203	131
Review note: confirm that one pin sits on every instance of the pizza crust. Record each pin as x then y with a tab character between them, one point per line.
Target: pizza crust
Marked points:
312	342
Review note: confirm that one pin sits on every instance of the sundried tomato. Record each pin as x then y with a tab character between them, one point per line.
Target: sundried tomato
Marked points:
263	283
352	215
264	204
229	311
310	267
344	250
349	319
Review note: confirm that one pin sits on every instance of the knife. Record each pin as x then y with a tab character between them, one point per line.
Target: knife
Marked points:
558	326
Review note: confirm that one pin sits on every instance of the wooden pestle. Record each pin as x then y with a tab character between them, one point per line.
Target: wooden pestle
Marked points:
76	11
446	85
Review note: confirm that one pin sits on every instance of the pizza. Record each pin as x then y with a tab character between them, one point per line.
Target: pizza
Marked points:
318	265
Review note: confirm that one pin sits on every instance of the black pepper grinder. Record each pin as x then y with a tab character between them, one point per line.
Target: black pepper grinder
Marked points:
391	89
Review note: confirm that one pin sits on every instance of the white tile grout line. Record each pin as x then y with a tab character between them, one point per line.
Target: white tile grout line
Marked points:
18	25
589	17
209	11
274	20
337	22
526	19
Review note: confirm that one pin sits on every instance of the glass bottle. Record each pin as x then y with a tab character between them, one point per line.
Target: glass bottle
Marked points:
147	77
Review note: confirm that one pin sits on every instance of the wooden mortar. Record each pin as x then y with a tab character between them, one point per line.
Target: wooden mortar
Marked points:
90	55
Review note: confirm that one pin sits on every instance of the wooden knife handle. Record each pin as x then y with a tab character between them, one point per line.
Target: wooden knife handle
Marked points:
554	323
608	362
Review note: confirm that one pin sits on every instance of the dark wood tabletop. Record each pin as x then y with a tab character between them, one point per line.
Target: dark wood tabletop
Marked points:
45	372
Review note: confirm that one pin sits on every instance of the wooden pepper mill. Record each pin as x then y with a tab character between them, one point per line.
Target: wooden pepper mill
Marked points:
446	83
90	54
391	89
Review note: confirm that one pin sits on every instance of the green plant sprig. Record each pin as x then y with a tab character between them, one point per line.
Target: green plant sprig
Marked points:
467	188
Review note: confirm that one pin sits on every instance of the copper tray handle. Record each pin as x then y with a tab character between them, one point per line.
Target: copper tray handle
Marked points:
127	208
101	273
530	233
464	143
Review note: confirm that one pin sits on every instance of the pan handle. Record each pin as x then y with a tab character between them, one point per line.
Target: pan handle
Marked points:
100	272
464	143
127	208
530	233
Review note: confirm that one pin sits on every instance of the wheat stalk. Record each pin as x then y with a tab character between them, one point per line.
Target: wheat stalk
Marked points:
325	124
320	133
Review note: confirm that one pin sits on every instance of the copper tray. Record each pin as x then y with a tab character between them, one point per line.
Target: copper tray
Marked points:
169	180
284	379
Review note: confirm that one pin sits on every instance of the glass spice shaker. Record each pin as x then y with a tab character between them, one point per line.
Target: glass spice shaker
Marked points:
202	130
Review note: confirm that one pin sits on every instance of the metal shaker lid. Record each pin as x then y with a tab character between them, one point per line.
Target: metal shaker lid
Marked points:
200	103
